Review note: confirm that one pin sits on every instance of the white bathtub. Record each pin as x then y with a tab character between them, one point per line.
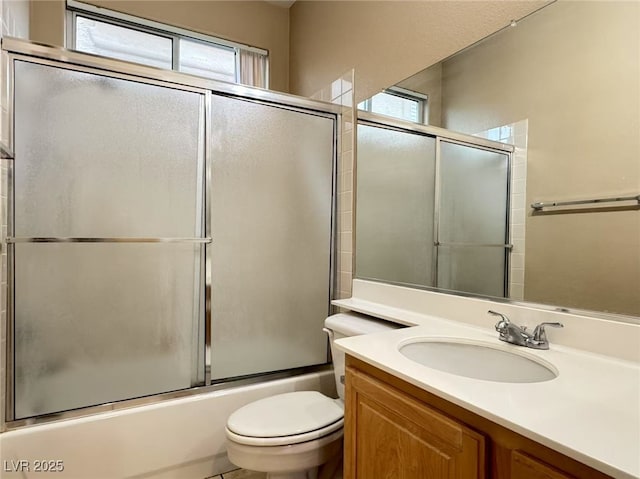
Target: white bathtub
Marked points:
181	438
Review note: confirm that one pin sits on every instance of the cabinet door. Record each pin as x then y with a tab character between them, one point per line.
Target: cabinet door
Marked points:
523	466
390	435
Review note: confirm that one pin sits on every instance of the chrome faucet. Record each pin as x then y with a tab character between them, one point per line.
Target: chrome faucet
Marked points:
514	334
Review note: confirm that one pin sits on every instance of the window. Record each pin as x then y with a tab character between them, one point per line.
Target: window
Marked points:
116	35
108	40
206	60
398	103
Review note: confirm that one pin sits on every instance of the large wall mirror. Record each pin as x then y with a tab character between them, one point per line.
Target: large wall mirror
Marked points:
563	86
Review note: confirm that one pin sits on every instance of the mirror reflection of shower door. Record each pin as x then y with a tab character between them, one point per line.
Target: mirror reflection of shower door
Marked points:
472	229
112	160
395	200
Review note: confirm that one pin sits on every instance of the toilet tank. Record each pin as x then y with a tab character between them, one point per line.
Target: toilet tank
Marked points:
343	325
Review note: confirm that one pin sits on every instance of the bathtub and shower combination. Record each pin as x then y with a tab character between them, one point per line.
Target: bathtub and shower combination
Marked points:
169	239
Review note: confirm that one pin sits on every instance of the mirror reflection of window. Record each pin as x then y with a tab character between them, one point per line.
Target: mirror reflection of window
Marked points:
398	103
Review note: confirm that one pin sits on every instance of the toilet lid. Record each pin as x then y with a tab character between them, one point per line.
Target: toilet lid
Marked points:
285	415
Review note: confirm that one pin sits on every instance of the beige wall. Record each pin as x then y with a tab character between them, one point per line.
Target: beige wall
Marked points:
46	21
254	23
573	71
385	41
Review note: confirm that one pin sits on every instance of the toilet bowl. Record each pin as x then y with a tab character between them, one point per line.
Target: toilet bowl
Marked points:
289	436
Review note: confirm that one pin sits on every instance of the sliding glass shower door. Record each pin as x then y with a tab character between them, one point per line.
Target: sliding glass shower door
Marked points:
272	203
164	232
108	239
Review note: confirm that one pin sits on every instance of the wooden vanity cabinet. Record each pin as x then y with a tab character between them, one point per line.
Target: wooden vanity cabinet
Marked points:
390	434
394	430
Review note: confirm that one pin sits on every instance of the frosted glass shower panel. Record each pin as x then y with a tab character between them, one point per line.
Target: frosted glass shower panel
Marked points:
272	173
105	157
473	269
473	215
96	323
473	195
394	240
114	161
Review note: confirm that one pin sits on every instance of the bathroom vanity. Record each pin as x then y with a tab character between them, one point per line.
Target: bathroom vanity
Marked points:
406	416
395	429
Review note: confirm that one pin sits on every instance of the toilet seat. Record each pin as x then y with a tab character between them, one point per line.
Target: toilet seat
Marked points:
284	440
289	418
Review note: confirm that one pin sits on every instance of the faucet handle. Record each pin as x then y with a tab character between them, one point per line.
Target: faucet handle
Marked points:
539	334
502	324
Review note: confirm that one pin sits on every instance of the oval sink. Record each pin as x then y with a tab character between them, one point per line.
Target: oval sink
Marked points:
477	360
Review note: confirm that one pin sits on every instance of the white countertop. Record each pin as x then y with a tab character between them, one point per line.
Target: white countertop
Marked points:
590	412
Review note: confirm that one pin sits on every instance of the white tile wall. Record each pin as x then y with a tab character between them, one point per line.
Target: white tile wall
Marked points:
341	92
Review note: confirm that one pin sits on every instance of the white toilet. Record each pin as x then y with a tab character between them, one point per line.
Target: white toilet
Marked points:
290	435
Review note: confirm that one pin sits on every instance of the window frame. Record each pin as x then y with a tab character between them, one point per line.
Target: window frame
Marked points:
75	9
420	98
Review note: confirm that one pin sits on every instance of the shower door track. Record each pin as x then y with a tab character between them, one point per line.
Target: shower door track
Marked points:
13	240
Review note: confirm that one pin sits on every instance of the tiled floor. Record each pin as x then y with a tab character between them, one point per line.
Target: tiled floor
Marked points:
244	474
241	474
